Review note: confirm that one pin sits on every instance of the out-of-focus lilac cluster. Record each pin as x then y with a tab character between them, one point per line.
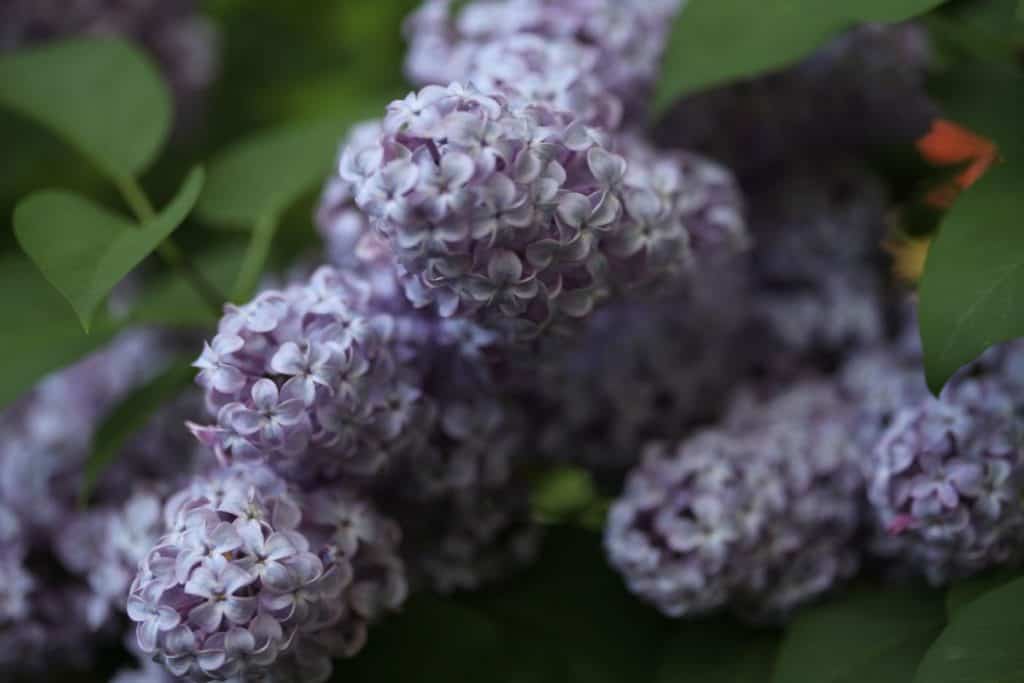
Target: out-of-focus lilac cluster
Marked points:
946	475
181	41
594	58
863	89
759	514
65	571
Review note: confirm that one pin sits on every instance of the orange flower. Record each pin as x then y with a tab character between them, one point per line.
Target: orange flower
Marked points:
948	144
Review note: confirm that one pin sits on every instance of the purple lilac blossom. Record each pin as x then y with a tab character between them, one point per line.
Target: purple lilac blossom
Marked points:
946	476
462	500
72	567
593	57
520	216
757	515
865	88
48	433
252	571
306	380
639	371
946	491
180	39
819	274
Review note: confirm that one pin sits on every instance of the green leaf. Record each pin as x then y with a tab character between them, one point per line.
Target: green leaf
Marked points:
869	634
967	591
101	95
258	178
171	301
719	651
974	278
84	250
433	639
576	606
982	643
129	416
41	336
716	41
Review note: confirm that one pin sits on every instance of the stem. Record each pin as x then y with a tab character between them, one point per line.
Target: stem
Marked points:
169	251
255	258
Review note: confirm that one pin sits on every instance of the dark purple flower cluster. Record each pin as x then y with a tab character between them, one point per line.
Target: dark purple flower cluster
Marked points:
177	36
945	476
594	58
759	514
65	572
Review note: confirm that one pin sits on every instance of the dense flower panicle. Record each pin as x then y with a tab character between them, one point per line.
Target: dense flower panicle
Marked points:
306	380
462	501
946	488
350	242
180	39
819	271
251	571
104	546
47	435
521	216
639	371
880	382
838	314
865	88
470	537
600	53
758	514
67	569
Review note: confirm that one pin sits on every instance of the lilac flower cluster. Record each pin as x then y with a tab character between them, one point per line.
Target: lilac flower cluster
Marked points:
758	514
65	572
639	371
306	380
818	272
945	477
519	215
252	573
179	38
865	88
591	57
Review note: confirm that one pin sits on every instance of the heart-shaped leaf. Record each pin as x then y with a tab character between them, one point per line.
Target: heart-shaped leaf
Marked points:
982	643
262	176
870	634
41	336
716	41
102	95
84	250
